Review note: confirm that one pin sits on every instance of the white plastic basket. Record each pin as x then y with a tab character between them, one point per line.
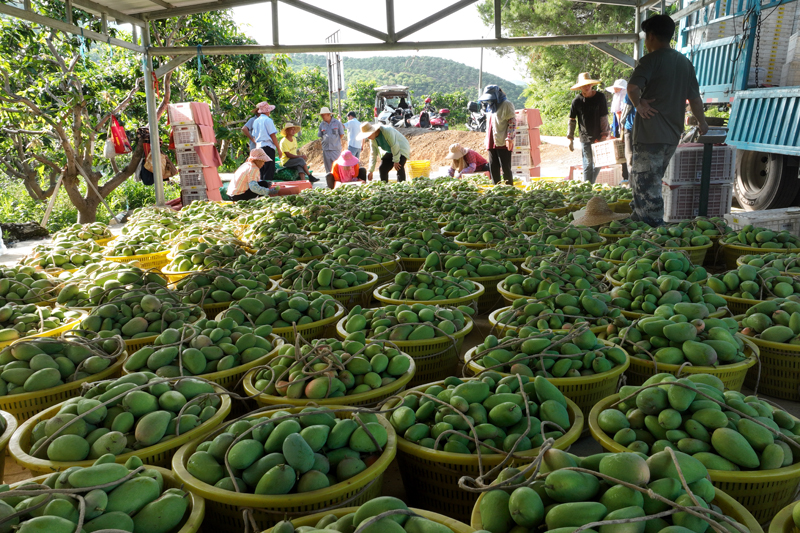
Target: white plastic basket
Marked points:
610	175
180	113
682	202
686	166
608	153
193	195
188	158
787	219
192	178
186	136
521	158
522	139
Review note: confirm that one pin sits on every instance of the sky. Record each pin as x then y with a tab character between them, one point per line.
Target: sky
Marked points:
256	21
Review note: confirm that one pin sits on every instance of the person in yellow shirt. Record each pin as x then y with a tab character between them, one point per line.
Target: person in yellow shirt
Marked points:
290	158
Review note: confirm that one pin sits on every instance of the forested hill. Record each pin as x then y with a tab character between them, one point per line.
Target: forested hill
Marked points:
423	74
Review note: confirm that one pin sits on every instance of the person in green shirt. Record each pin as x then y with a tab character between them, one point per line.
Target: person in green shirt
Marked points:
291	159
391	144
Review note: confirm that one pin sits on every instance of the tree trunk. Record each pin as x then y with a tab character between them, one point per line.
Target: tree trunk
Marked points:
87	213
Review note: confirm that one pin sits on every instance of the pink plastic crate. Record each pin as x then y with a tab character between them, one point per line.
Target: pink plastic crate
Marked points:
608	153
686	165
610	175
682	202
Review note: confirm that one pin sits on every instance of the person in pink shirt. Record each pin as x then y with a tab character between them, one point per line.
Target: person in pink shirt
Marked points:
465	161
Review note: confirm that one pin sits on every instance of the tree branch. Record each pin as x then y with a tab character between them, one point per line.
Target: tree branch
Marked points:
120	107
126	172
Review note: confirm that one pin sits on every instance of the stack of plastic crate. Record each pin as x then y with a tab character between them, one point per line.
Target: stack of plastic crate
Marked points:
525	158
609	157
193	127
681	185
787	218
790	72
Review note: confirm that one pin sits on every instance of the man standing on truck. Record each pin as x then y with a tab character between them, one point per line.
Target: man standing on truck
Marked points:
659	87
590	109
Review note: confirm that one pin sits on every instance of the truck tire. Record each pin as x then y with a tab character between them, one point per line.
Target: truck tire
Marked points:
764	181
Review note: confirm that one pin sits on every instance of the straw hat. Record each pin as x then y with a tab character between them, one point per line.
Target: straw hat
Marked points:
347	159
619	84
287	126
258	155
584	79
264	107
325	111
456	151
598	213
367	129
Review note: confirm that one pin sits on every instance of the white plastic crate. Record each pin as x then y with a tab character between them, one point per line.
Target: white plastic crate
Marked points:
192	178
686	166
180	114
522	139
608	153
185	136
610	175
188	158
193	195
522	119
521	158
682	202
787	219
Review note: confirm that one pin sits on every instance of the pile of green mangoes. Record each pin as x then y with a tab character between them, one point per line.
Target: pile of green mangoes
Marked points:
563	258
654	263
671	416
561	234
407	322
197	233
470	263
103	281
18	321
280	309
457	221
354	255
138	503
519	246
409	226
531	223
320	221
266	261
282	453
484	233
754	237
141	241
95	231
562	312
204	347
647	295
573	355
674	236
330	368
684	335
323	275
342	226
67	254
421	247
275	223
751	283
45	362
23	284
203	256
139	314
551	280
624	249
299	246
427	286
564	500
397	523
622	227
783	262
711	226
494	405
141	418
775	320
220	285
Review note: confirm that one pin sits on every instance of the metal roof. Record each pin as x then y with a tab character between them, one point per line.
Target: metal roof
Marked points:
156	9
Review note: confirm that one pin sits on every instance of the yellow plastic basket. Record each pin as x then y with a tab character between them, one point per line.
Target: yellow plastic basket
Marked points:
783	521
611	280
559	211
195	513
732	252
435	359
614	237
502	328
761	492
314	330
103	242
419	169
491	297
621	206
364	399
310	521
412	264
50	333
475	245
133	345
225	507
157	455
433	475
385	270
25	405
357	295
11	427
585	391
156	261
720	313
732	375
739	306
174	277
728	505
697	254
589	247
780	370
450	301
509	296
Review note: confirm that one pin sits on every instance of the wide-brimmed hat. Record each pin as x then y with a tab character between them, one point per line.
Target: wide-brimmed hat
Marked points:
597	213
264	107
287	126
583	80
367	129
456	151
259	155
347	159
325	111
619	84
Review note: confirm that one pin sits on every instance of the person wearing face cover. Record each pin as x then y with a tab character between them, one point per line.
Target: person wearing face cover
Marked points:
501	125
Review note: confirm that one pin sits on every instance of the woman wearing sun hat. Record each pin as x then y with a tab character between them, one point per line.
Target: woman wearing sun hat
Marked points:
345	170
291	159
245	184
465	161
598	213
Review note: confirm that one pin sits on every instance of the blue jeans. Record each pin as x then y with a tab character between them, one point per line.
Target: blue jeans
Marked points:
589	171
354	150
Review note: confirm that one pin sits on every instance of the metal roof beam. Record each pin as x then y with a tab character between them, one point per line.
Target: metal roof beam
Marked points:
60	25
628	3
344	21
620	56
166	68
616	38
691	8
119	16
436	17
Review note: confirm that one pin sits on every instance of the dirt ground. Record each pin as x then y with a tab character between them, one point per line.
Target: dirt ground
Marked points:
433	146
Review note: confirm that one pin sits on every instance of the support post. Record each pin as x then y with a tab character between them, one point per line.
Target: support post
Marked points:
104	23
745	60
68	8
638	47
498	18
152	118
275	34
390	20
480	76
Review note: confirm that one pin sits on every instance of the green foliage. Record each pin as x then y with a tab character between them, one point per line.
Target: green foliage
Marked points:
456	102
361	99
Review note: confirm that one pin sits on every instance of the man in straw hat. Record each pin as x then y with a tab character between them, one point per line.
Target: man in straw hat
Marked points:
392	145
590	109
291	159
331	132
465	161
598	213
659	87
265	137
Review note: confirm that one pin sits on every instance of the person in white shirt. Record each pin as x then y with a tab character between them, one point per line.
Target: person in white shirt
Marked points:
353	129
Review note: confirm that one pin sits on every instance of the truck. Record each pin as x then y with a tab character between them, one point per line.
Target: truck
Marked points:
746	55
